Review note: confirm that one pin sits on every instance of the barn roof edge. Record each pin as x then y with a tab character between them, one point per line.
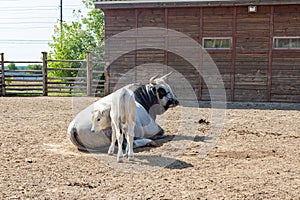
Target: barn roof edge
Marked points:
110	4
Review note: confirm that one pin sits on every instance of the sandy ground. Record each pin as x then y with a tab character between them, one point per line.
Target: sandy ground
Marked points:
257	156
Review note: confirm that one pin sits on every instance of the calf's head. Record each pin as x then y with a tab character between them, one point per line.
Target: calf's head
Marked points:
100	119
163	91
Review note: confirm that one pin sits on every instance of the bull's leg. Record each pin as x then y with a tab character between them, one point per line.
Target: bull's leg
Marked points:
129	137
120	142
113	140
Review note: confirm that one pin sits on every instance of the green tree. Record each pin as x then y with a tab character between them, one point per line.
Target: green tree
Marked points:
34	67
76	39
12	66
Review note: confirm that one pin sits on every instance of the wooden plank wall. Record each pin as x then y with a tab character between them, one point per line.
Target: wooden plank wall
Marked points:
252	70
117	21
286	63
185	21
252	47
217	22
150	61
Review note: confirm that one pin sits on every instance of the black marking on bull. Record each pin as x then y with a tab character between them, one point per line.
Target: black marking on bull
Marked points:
159	135
171	103
144	95
79	144
81	147
161	92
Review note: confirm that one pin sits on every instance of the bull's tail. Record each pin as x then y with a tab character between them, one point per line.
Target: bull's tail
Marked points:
73	135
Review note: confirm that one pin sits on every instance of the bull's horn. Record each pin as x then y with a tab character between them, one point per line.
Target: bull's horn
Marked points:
152	79
166	76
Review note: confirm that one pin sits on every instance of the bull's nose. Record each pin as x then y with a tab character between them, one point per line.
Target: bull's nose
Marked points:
172	103
176	102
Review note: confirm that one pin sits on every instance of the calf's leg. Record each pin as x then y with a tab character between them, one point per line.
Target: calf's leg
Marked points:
129	137
120	142
113	140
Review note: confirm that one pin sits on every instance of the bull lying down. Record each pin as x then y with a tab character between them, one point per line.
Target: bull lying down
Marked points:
151	99
123	117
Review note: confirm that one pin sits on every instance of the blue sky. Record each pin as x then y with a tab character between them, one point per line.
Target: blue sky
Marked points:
26	26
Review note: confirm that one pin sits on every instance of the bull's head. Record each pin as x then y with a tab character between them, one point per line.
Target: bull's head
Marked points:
163	91
100	119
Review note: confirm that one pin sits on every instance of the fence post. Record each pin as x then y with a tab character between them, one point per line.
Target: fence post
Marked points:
2	75
45	74
89	75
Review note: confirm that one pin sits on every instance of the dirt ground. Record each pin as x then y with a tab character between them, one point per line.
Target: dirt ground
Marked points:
257	156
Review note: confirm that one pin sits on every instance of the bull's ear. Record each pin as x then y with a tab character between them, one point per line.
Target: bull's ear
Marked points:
152	80
166	76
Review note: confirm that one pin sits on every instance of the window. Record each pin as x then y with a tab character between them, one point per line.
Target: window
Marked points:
286	42
217	43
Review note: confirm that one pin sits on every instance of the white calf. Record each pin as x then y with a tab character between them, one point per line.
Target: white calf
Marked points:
123	117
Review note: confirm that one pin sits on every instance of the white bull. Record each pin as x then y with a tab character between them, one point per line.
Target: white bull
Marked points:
123	117
151	99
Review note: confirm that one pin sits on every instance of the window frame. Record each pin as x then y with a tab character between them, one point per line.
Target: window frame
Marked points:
221	38
285	37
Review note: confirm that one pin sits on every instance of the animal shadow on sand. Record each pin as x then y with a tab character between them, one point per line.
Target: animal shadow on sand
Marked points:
174	163
162	161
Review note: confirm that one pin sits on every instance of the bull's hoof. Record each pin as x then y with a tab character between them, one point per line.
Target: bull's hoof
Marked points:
119	160
151	144
159	135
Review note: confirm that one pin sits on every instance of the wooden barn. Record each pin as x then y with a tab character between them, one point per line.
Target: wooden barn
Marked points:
255	44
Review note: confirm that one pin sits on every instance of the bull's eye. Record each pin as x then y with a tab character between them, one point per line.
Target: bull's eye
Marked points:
161	92
98	119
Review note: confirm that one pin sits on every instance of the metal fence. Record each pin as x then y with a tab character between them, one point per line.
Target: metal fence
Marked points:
89	79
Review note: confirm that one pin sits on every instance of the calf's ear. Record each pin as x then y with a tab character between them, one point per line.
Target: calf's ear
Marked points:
106	110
